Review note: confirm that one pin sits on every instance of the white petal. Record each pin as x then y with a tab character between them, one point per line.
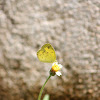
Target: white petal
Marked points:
55	63
60	65
58	73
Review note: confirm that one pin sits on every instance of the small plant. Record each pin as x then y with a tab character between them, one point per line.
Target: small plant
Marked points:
46	97
47	54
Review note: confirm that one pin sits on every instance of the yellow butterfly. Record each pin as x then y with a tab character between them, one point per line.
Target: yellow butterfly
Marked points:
46	53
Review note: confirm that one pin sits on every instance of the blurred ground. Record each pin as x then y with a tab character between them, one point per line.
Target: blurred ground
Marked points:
71	26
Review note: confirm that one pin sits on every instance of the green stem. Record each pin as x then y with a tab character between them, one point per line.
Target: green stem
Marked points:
40	94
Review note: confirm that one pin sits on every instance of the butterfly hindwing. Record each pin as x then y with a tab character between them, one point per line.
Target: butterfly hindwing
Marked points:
46	53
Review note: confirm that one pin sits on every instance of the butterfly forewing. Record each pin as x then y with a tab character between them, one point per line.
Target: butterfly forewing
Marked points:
46	53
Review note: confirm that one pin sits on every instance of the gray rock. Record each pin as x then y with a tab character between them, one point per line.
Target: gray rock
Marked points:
71	26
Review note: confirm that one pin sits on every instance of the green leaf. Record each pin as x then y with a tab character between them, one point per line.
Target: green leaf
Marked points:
46	97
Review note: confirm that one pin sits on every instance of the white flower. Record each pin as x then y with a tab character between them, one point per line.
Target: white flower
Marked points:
55	68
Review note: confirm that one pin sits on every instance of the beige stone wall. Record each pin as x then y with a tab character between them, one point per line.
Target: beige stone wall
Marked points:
71	26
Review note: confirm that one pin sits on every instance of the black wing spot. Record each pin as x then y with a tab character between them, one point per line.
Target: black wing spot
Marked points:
49	47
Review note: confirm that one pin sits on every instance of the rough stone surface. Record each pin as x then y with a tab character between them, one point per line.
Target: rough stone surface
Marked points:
71	26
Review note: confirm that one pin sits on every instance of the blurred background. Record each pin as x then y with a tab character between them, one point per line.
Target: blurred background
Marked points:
72	27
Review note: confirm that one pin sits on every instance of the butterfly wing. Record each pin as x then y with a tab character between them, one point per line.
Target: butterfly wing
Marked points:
46	53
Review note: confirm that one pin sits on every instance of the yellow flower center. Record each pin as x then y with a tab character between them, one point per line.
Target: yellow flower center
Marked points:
55	68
